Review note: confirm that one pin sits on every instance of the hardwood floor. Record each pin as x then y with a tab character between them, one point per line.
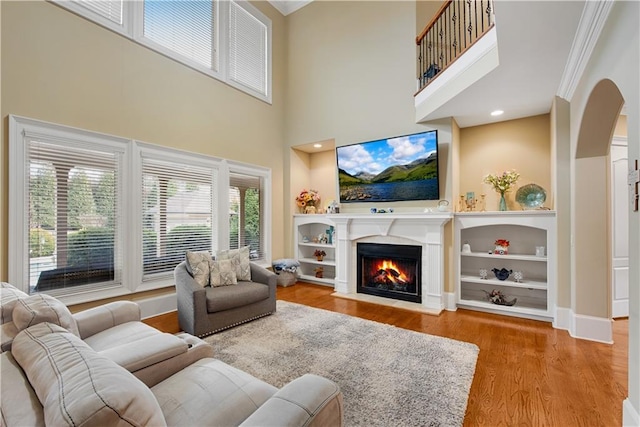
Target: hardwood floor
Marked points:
528	373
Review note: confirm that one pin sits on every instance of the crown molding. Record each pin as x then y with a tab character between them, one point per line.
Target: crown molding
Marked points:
594	16
287	7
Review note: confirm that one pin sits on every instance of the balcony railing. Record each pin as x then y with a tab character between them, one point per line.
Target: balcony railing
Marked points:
454	29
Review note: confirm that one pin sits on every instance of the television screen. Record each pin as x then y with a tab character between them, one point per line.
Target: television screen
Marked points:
390	170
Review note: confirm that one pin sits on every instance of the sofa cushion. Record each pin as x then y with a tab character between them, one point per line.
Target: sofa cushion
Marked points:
222	273
240	259
124	333
19	404
210	392
77	386
228	297
43	308
8	332
9	295
198	266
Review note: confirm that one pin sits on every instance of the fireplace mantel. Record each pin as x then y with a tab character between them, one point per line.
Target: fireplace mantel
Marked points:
425	229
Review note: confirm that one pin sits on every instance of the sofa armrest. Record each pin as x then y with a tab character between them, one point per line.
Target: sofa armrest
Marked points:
306	401
192	301
147	351
106	316
264	276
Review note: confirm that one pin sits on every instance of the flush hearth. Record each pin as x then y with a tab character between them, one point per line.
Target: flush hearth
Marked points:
390	271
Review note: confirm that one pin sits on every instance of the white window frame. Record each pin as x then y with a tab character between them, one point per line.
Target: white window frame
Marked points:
265	215
20	130
130	230
156	152
132	28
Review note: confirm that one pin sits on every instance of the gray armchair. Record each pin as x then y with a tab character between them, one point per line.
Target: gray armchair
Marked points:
204	311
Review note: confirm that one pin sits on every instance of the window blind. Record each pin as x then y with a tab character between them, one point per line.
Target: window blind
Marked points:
247	49
73	216
184	27
245	215
177	213
108	9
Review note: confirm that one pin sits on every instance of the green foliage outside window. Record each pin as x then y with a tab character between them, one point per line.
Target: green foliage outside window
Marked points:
41	243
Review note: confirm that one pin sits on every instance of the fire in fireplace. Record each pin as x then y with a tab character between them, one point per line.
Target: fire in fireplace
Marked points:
391	271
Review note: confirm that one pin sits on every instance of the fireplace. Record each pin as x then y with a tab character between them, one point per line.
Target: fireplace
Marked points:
391	271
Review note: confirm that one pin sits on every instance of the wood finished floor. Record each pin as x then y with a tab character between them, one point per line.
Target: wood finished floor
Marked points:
528	373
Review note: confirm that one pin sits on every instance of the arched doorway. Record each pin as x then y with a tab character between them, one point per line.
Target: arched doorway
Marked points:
591	296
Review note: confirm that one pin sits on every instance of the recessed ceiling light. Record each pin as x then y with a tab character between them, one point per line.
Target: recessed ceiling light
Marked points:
317	145
497	113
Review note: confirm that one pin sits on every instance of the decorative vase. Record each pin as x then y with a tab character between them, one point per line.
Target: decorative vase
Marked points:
503	203
320	257
310	209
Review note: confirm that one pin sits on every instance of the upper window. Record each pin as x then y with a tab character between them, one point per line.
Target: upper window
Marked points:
228	40
185	28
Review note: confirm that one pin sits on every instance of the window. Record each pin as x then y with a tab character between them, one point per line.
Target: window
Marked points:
185	28
73	200
244	214
229	40
177	213
72	235
248	48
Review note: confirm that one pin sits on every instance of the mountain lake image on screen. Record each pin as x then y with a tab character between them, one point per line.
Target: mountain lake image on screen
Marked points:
390	170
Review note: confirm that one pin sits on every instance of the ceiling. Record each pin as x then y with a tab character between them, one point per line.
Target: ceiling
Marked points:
534	41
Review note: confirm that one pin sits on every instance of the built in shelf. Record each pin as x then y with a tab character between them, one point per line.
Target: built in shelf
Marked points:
517	257
314	279
527	284
316	245
327	262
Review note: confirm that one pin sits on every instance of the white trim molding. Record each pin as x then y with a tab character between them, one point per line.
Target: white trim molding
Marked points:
630	416
594	16
591	328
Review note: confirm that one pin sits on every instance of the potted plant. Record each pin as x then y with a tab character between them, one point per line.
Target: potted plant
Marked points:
319	254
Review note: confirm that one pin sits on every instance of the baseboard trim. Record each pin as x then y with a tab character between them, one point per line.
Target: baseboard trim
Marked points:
590	328
450	301
630	417
154	306
562	319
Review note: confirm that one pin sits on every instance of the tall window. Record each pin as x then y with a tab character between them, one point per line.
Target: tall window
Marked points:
246	214
228	40
177	213
94	216
73	204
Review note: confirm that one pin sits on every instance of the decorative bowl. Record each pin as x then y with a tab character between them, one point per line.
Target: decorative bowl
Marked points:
531	196
502	274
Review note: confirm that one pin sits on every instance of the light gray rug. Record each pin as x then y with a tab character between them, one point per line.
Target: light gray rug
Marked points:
389	376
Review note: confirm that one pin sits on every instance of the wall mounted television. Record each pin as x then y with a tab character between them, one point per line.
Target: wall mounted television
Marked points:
390	170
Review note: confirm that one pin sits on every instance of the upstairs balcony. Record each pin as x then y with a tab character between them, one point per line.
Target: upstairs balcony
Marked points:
456	48
477	56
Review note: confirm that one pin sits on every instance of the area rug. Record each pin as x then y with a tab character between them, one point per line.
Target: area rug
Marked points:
389	376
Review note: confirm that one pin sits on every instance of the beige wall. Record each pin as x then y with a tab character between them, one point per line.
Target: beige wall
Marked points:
523	145
356	84
323	175
61	68
561	179
616	57
425	11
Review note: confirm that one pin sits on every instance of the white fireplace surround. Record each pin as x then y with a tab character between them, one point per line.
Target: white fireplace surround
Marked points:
424	229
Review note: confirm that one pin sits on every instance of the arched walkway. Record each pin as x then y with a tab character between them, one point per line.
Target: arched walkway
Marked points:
590	290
